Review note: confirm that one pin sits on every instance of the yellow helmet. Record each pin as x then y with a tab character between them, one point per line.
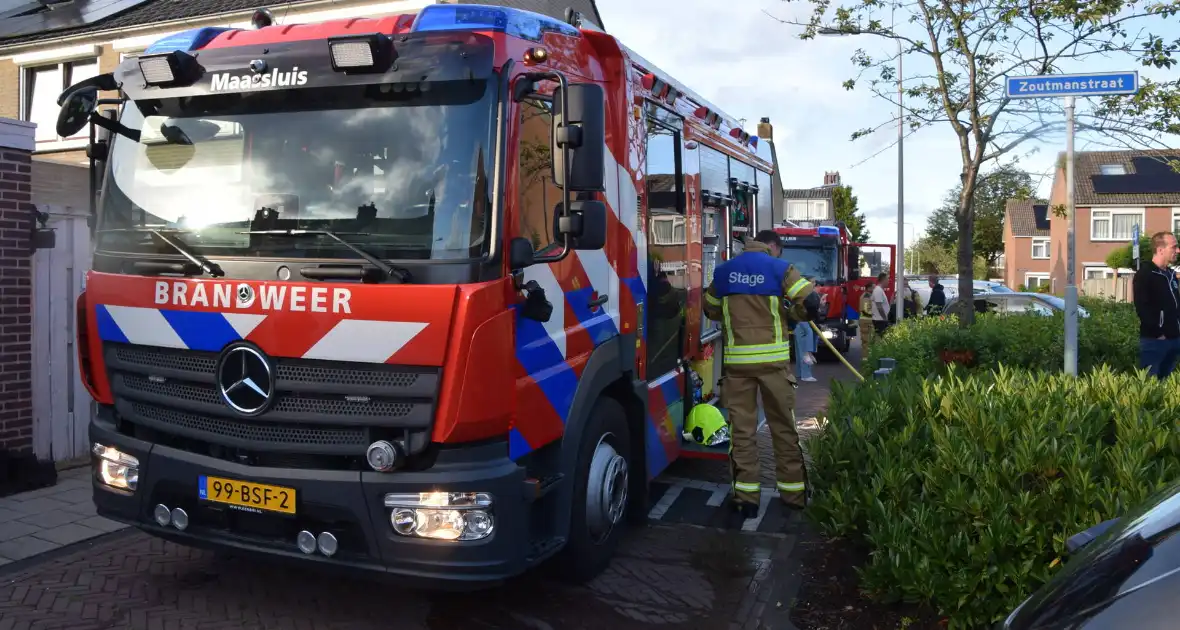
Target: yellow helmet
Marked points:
706	425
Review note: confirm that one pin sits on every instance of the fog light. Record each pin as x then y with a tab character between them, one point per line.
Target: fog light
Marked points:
163	515
115	468
442	515
328	544
828	334
383	456
179	519
305	540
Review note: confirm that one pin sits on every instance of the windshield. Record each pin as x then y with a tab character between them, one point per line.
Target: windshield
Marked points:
816	263
401	170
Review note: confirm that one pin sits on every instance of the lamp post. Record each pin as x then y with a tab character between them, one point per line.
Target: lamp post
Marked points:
899	258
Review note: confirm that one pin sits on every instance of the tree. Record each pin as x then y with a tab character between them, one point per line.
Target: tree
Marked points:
1121	258
846	211
990	198
968	48
934	257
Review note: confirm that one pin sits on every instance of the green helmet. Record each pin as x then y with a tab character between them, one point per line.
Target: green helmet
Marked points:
706	425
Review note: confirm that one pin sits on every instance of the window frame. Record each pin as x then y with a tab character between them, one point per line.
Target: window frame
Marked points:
1176	220
1102	168
26	86
1044	276
679	228
1039	240
1110	214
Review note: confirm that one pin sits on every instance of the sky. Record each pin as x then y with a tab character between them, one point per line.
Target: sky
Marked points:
752	66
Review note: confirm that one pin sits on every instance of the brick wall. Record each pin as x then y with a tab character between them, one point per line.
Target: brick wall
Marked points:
16	285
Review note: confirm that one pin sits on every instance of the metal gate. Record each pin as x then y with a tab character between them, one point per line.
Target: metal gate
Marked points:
61	404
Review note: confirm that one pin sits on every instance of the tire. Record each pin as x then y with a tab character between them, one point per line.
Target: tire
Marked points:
594	534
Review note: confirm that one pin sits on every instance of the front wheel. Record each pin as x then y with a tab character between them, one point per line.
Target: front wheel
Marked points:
599	510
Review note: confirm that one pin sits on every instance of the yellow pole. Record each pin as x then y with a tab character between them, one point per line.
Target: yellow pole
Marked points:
833	349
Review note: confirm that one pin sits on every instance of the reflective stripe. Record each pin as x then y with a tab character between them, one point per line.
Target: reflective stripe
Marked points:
712	299
799	285
766	357
746	487
791	487
760	348
726	323
778	322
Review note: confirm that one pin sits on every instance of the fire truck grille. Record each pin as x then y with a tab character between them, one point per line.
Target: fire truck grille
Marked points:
187	424
318	407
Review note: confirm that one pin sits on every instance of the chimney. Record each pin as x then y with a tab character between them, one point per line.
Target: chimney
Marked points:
832	178
765	129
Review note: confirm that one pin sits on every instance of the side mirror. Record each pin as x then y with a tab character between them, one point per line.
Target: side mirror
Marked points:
579	133
585	225
520	254
75	112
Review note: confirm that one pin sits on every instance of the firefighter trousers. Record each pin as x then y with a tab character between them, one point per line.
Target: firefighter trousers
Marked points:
739	394
867	332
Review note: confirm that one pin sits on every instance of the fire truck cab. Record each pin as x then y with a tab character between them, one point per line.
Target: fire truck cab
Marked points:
417	295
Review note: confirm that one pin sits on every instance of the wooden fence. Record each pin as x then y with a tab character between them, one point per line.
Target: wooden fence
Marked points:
61	405
1117	288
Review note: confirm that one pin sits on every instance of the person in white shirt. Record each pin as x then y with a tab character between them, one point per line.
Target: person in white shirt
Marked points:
880	304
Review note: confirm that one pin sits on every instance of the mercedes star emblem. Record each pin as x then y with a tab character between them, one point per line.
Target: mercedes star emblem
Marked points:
245	380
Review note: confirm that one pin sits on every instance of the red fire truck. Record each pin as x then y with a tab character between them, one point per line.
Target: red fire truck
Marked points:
823	251
418	294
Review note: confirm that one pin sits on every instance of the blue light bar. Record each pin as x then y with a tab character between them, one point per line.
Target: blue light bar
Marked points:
186	41
478	17
829	230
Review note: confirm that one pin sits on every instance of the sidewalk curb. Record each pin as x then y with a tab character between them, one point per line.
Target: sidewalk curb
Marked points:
15	570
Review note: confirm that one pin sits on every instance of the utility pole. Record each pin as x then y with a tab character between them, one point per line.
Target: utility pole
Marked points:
900	189
1071	288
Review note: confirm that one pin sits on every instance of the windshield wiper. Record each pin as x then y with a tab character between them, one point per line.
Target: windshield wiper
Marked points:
210	268
390	271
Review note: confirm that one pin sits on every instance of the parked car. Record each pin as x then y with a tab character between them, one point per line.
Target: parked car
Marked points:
950	286
1012	302
1122	573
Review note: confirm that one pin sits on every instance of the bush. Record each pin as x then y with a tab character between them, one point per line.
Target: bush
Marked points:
1123	258
964	490
1109	336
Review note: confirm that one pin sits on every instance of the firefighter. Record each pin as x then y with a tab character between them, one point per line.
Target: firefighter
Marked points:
866	322
754	295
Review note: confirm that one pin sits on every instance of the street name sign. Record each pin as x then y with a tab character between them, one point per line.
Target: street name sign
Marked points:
1059	85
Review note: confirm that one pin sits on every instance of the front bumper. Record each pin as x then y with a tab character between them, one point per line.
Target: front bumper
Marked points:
349	504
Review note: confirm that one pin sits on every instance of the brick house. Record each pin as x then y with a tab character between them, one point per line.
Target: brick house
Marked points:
1026	244
45	47
1114	190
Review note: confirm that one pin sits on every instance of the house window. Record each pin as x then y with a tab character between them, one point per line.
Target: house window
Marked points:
1114	225
1112	169
1176	221
807	209
1040	248
1036	281
42	85
668	231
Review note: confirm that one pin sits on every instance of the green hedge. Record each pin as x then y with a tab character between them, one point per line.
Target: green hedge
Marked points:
1109	336
964	490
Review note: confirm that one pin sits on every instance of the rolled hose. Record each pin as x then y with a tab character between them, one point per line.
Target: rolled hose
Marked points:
833	349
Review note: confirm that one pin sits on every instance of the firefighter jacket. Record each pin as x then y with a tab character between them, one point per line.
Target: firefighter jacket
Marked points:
753	295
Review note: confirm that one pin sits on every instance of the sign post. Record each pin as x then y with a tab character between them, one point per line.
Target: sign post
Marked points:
1135	246
1069	87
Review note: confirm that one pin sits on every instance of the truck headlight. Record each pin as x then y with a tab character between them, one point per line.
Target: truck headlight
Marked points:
114	468
442	515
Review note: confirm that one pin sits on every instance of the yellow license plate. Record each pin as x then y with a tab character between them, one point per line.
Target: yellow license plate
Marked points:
246	494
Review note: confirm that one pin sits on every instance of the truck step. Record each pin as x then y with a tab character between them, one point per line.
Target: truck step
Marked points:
535	489
541	549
